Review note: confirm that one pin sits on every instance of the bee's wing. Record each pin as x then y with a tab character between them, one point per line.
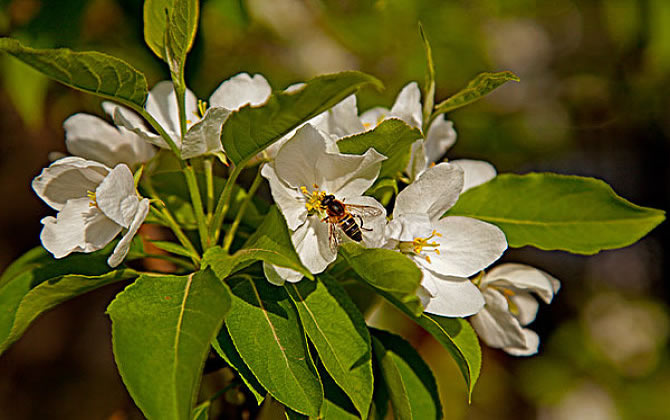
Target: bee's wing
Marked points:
333	241
364	211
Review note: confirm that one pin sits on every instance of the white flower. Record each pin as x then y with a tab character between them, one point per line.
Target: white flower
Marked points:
307	168
510	306
439	137
447	249
93	138
203	135
94	204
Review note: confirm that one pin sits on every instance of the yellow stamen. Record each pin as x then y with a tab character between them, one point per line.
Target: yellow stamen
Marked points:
314	200
91	197
418	244
202	108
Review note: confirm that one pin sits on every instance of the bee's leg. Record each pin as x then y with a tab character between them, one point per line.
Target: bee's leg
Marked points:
360	223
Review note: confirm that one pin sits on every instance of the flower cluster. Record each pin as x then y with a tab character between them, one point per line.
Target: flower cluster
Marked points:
319	191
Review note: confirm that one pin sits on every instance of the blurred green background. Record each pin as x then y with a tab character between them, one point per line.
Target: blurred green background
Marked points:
594	100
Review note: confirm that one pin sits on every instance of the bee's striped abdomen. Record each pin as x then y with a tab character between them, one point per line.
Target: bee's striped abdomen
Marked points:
350	228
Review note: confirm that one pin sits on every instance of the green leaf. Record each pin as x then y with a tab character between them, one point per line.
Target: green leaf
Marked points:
173	248
429	85
392	138
336	405
27	89
460	340
182	25
162	327
266	331
156	14
92	72
388	272
225	348
36	282
410	382
250	130
27	296
551	211
340	336
201	412
270	243
478	87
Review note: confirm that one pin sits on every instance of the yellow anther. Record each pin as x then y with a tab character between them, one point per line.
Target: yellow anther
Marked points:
188	121
366	125
314	199
418	244
91	197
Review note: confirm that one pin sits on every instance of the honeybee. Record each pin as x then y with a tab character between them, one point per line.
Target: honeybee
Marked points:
344	217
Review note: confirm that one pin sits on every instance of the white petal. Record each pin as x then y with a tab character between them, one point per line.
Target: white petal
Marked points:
116	196
312	243
418	161
122	248
140	130
435	192
291	203
162	105
524	278
111	108
372	227
467	246
78	227
475	172
453	296
407	105
526	306
495	325
68	178
348	175
341	120
205	135
241	90
374	116
532	343
408	227
279	275
440	137
296	161
295	87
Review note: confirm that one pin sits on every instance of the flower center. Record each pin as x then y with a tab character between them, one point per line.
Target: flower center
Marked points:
418	244
202	108
314	199
91	198
379	121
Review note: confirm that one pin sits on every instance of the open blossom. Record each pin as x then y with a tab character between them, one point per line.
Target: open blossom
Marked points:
307	168
439	137
203	124
510	306
95	139
447	249
94	204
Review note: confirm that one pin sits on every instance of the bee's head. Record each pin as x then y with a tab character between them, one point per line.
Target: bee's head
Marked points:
328	199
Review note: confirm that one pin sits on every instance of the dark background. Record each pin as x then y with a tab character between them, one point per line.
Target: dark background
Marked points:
593	101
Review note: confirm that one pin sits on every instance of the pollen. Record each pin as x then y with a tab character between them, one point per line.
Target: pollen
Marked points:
91	198
314	199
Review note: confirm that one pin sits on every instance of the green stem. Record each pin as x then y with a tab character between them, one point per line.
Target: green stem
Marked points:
209	181
164	214
228	240
154	124
224	203
174	260
196	200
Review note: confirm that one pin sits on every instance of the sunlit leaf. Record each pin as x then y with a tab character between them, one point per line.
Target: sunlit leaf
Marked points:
162	327
92	72
387	271
476	89
265	329
337	329
182	25
251	129
392	138
551	211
